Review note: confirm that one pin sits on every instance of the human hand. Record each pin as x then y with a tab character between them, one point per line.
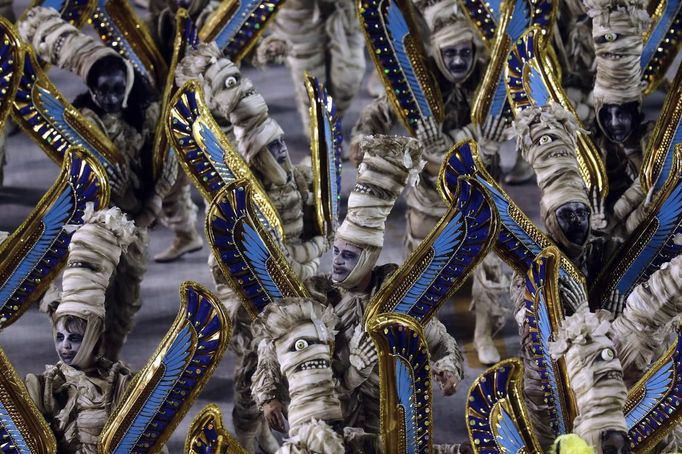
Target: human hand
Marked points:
363	354
598	220
275	414
447	380
615	303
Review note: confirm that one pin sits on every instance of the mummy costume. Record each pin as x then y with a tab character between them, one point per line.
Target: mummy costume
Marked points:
322	38
77	394
123	106
389	164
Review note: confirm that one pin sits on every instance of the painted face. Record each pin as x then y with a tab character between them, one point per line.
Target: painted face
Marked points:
346	257
278	149
109	90
459	59
614	442
68	338
574	220
618	121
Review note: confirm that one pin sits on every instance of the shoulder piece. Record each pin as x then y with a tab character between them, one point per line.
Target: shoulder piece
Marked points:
661	43
75	12
543	316
497	417
11	65
185	35
657	168
237	25
326	144
249	256
650	246
23	428
443	261
519	240
207	155
207	434
405	378
654	405
34	254
162	392
532	81
55	125
491	96
119	27
400	59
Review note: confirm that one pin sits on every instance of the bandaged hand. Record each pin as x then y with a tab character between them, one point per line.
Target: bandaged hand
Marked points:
494	128
615	303
272	50
572	293
447	379
363	354
433	140
599	220
276	415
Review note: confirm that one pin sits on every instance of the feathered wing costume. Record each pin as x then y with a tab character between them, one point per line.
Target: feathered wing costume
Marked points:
76	398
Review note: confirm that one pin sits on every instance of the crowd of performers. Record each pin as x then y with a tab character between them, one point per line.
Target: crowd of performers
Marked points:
347	361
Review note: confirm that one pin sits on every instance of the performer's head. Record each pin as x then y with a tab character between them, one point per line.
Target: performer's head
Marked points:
453	45
547	138
279	150
108	83
69	332
619	121
617	28
387	165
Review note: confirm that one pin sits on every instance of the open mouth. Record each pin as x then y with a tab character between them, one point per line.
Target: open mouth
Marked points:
67	358
611	56
313	364
610	375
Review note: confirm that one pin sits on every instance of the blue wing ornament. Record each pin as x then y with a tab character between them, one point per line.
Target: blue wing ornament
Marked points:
237	25
163	391
399	57
250	257
661	43
207	434
34	254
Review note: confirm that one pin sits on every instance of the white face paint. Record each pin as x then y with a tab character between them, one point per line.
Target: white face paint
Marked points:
68	339
345	257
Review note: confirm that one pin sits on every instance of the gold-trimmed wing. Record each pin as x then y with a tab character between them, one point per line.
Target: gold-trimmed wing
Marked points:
23	428
542	318
11	65
516	17
519	240
207	434
405	378
399	56
35	253
651	245
531	81
496	413
75	12
186	35
326	145
444	260
654	404
249	256
163	391
662	43
55	125
120	28
208	157
484	17
237	25
657	168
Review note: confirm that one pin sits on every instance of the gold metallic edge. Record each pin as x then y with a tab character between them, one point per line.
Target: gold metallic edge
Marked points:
315	135
392	427
438	109
17	240
208	413
514	211
388	297
161	142
640	387
288	278
120	415
23	411
18	57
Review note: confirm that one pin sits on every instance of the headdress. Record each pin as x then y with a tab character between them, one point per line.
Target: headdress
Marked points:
388	164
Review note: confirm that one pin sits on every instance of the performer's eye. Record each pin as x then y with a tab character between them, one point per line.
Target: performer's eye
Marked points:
544	140
301	344
608	354
230	82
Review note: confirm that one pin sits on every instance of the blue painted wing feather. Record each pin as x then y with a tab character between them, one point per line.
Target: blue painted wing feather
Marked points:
538	89
258	256
235	23
655	388
508	435
405	384
659	32
215	153
520	20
